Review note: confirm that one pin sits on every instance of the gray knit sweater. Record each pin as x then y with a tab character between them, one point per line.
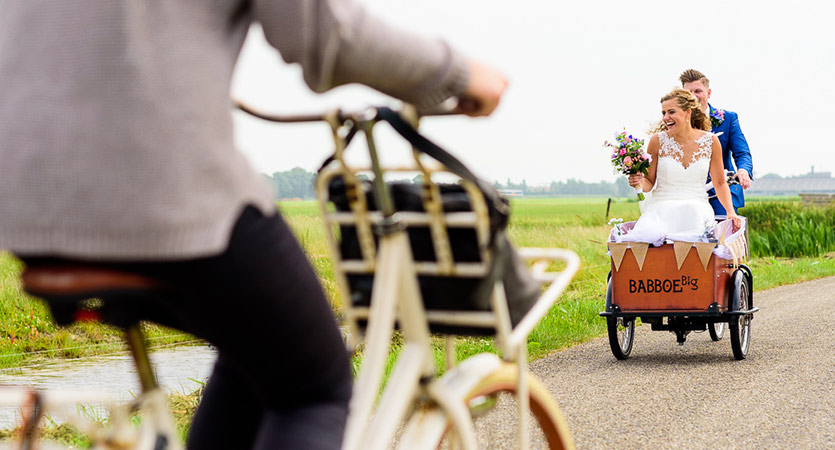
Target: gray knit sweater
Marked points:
115	122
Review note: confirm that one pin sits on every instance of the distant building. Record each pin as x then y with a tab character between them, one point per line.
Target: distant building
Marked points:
511	192
812	182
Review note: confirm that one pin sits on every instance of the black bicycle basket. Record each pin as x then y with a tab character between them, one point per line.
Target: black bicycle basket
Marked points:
449	292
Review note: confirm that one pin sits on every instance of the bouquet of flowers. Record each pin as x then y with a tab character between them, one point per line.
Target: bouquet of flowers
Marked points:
629	157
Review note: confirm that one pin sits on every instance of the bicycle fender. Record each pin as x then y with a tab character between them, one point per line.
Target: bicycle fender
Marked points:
428	424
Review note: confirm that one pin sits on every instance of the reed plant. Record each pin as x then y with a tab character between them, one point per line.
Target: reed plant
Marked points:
790	229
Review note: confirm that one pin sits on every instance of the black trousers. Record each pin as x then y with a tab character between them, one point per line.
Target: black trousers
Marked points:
282	378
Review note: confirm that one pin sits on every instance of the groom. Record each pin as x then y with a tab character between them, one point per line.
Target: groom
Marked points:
731	137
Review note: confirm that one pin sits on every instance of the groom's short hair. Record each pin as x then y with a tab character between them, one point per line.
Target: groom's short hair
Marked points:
691	75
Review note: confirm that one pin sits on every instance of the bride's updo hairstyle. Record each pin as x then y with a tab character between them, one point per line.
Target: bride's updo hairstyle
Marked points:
685	100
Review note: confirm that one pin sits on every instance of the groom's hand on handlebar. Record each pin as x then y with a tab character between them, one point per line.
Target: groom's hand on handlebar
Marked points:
485	87
744	178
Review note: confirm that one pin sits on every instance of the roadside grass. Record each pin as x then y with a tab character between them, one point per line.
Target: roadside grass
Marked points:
771	272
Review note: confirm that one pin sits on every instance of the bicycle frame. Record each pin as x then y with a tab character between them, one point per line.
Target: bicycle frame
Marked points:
396	299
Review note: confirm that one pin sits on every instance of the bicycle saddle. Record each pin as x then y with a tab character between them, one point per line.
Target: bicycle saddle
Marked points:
66	288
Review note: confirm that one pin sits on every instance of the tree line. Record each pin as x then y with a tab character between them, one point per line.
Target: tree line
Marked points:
572	187
298	183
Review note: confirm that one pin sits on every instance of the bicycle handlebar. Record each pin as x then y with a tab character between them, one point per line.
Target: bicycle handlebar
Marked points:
368	114
730	177
403	121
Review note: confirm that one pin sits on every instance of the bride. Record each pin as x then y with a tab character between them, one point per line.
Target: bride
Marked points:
683	151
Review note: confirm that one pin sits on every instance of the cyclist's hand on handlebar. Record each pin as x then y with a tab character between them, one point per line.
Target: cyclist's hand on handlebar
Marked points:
636	179
744	178
485	87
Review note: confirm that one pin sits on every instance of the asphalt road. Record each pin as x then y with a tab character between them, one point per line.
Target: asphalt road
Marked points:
698	395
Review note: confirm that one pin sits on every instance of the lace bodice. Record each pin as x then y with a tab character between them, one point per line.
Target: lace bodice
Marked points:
674	180
670	148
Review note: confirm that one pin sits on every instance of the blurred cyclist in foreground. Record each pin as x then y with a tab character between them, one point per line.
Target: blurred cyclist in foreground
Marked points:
116	149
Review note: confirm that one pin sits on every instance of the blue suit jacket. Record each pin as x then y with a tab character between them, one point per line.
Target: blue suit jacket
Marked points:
733	145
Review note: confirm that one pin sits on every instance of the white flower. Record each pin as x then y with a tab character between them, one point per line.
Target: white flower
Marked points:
618	224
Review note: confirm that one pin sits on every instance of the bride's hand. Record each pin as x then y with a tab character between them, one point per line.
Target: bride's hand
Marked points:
737	221
636	179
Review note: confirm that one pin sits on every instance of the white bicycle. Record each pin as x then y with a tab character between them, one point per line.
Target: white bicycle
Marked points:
482	402
383	271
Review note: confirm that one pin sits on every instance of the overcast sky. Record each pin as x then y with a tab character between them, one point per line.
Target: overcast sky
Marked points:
580	71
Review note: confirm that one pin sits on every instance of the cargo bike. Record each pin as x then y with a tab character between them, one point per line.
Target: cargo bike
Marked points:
681	287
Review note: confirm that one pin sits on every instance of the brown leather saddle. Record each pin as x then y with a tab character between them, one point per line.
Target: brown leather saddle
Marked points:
76	292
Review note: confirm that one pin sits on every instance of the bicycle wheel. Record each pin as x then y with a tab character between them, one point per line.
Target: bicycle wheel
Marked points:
740	326
716	330
621	335
621	330
495	413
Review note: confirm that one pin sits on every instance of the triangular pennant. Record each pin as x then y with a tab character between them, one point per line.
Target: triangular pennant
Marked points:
721	229
705	249
741	246
744	246
639	249
617	251
681	249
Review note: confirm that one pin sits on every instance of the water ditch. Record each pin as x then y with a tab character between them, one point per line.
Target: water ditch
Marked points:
179	369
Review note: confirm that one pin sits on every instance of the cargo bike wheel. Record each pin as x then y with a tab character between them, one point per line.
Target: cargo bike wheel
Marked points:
716	330
621	329
740	326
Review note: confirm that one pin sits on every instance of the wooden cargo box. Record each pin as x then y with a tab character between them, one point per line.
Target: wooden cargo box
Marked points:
660	285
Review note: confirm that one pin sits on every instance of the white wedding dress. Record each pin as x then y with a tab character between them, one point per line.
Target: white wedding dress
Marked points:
678	207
